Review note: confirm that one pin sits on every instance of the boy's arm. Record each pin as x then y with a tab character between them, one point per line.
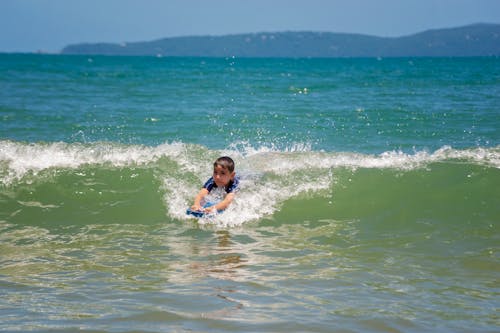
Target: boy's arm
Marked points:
197	200
223	204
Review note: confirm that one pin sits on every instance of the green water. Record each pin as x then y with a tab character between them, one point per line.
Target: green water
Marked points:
369	194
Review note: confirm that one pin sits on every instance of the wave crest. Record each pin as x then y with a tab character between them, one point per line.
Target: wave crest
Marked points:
176	171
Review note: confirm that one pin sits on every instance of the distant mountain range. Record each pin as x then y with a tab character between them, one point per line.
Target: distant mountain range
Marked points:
472	40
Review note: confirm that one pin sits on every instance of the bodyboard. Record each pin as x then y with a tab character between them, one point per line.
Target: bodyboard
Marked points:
200	213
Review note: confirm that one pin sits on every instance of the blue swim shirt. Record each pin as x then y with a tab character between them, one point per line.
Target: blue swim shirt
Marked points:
232	187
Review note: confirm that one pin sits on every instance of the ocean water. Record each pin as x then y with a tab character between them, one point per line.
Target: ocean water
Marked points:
369	202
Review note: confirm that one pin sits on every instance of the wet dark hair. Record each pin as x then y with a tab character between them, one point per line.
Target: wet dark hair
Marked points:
225	162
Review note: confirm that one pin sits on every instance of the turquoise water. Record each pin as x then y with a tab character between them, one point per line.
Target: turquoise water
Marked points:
369	196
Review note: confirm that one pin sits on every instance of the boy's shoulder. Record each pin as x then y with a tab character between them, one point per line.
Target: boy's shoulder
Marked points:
233	185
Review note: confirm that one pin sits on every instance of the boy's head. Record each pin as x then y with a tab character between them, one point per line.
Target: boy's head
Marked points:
225	162
223	171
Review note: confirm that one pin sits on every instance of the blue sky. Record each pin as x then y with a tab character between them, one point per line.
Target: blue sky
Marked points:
49	25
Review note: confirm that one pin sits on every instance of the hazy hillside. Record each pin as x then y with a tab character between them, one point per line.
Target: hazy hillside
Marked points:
472	40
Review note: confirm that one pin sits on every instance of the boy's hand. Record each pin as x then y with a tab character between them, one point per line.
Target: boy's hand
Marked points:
210	209
197	207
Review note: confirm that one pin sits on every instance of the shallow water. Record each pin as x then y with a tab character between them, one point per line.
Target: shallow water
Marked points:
317	275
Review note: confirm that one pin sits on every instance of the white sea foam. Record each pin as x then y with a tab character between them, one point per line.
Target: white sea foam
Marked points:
19	159
289	160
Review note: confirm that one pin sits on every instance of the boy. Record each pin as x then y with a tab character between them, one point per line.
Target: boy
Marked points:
223	177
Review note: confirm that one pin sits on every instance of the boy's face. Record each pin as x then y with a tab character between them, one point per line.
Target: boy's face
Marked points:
222	176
